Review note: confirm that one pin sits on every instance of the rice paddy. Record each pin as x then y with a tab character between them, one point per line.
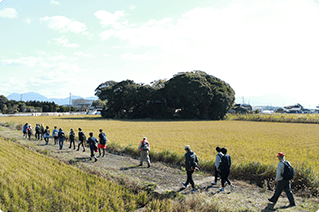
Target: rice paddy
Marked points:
246	141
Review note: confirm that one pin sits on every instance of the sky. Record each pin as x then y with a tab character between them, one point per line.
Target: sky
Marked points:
57	47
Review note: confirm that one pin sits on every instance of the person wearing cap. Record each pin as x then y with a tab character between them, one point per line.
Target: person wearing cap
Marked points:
282	184
144	149
81	140
191	162
217	162
102	143
72	138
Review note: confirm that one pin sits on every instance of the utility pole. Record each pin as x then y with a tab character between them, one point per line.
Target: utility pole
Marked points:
70	102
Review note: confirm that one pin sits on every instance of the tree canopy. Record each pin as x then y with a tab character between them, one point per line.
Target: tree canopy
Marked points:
188	95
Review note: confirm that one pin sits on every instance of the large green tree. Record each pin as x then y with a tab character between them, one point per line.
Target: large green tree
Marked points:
198	95
3	101
189	95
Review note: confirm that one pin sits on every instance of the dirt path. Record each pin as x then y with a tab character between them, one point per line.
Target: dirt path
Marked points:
245	197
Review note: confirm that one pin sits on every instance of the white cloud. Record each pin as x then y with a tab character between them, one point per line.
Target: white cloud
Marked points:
63	24
107	18
22	61
132	7
54	2
130	56
82	54
64	42
8	13
27	20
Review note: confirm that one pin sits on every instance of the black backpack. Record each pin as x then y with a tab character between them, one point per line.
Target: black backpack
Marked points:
288	171
224	163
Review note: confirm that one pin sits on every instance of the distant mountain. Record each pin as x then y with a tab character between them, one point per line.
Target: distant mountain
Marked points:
32	96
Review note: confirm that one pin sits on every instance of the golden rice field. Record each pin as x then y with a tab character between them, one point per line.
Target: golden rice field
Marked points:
33	182
246	141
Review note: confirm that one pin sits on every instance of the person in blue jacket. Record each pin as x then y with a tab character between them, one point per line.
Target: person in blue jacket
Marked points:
24	130
55	135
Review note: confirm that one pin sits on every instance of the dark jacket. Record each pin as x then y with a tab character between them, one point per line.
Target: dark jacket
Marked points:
81	136
191	160
92	141
61	134
225	166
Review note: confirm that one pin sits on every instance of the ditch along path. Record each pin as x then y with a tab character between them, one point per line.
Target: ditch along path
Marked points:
125	169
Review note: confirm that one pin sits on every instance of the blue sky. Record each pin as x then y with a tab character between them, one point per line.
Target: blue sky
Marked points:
259	47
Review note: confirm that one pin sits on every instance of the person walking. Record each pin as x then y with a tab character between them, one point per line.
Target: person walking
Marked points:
191	163
61	138
283	184
29	131
217	162
144	149
102	143
55	135
81	140
46	135
37	132
92	141
24	130
42	131
224	169
72	138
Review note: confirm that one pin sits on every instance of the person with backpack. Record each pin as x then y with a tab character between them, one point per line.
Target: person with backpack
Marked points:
224	169
217	162
191	164
284	174
72	138
92	141
55	134
42	132
46	135
61	138
24	131
144	149
82	138
37	132
29	131
102	143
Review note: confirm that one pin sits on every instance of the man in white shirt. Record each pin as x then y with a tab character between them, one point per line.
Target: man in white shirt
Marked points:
282	184
217	162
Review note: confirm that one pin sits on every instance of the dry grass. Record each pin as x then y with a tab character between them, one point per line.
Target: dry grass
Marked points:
34	182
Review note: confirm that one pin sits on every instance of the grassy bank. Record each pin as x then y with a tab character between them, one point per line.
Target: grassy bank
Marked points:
33	182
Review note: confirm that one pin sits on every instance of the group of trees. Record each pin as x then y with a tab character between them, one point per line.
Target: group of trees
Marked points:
188	95
12	106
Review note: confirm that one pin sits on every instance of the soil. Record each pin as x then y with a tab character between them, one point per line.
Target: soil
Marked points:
244	197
